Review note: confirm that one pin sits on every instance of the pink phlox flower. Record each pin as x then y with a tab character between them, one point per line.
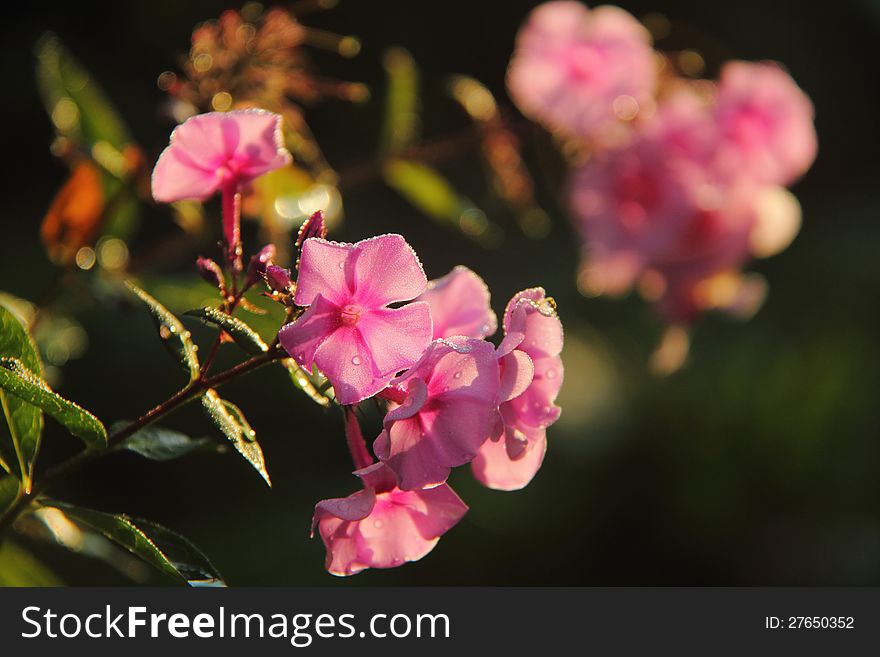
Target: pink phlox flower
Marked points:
531	376
571	64
661	206
766	123
383	526
448	409
209	151
460	305
349	331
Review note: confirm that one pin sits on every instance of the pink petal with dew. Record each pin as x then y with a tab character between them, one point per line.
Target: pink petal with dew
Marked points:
396	337
531	314
535	407
302	337
494	468
460	305
460	413
386	527
347	361
517	372
387	270
406	525
417	395
322	267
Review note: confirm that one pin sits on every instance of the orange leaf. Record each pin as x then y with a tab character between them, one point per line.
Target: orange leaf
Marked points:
74	218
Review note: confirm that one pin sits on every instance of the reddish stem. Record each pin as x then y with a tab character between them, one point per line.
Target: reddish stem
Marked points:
360	455
232	225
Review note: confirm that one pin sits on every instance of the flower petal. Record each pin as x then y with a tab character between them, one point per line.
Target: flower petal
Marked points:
387	270
302	337
322	268
494	468
347	362
535	407
177	177
255	141
396	337
460	305
517	372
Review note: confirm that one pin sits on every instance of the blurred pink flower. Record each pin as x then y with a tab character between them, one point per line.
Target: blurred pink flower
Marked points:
383	526
571	64
460	305
660	210
531	377
211	150
766	123
348	330
446	407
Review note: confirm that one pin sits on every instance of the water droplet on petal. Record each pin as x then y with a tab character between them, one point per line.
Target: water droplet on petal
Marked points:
341	264
356	360
457	375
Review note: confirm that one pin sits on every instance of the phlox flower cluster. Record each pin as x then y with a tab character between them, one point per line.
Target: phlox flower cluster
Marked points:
679	182
366	317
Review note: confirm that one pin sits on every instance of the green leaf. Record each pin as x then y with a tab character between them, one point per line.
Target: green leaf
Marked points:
19	568
425	188
244	335
402	106
163	549
160	444
429	191
304	382
19	448
19	381
78	107
174	335
232	423
9	489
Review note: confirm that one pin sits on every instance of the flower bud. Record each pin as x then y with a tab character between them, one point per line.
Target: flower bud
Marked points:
314	226
277	278
257	265
210	271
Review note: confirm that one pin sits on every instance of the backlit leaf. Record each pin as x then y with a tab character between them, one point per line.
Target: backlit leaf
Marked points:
244	335
173	333
231	422
21	443
160	444
78	107
402	123
19	381
304	382
163	549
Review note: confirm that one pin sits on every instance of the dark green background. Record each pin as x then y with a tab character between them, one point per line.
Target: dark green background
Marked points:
757	464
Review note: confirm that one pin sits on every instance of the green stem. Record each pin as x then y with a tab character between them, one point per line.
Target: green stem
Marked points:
193	390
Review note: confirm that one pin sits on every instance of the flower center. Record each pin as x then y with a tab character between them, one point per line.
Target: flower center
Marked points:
349	315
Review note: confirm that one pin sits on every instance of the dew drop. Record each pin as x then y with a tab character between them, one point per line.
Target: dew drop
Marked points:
457	375
356	360
341	264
